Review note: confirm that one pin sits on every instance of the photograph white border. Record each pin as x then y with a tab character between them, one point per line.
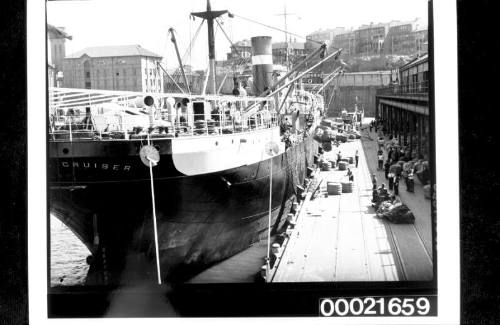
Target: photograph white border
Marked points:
447	180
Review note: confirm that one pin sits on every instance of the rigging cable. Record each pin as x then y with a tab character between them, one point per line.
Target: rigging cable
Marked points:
275	28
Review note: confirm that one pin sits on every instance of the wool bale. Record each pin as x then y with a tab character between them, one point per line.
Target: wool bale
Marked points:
347	187
342	165
341	138
351	160
333	188
326	123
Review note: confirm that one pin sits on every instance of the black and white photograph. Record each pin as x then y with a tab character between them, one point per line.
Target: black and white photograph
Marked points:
216	158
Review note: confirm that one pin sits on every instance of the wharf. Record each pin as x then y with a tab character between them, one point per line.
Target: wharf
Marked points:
413	242
338	238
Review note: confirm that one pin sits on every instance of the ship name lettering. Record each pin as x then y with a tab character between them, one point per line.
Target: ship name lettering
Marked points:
87	165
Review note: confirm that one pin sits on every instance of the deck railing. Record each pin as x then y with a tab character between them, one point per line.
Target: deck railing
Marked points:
412	89
116	127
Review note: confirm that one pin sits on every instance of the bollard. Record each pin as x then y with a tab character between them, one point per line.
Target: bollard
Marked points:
263	271
275	248
310	171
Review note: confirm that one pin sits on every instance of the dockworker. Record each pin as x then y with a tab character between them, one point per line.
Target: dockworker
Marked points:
409	181
391	181
382	191
356	156
380	161
339	156
396	185
350	175
387	166
374	181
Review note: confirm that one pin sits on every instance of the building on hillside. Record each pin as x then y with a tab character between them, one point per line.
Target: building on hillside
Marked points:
125	67
421	38
405	38
369	39
292	51
404	107
346	42
56	51
315	39
400	39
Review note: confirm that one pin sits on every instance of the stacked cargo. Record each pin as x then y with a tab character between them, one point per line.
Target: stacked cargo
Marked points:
333	188
347	187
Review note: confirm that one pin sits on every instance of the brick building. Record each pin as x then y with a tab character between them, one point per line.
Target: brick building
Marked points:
125	67
369	39
405	38
296	51
346	42
56	51
314	40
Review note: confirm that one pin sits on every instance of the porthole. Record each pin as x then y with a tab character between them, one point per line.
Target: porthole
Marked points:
65	151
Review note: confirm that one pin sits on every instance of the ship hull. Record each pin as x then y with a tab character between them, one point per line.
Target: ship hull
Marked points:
201	219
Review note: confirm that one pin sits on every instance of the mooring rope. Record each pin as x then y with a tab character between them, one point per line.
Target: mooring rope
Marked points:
154	214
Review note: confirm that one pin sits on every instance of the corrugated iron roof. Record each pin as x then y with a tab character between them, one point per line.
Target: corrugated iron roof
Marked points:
109	51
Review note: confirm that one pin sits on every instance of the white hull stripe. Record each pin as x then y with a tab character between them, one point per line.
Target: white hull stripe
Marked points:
262	59
202	156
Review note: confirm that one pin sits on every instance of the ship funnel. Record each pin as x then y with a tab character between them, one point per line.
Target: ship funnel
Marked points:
144	101
262	63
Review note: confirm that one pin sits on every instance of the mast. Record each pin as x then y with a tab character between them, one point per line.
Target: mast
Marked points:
209	16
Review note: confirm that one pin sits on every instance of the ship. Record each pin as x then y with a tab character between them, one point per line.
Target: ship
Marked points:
189	178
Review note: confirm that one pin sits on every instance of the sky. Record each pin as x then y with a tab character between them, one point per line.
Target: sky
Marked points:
146	22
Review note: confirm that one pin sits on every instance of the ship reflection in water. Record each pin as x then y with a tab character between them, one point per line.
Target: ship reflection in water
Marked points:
68	266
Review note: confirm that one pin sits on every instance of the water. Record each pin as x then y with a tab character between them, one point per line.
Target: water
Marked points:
67	264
